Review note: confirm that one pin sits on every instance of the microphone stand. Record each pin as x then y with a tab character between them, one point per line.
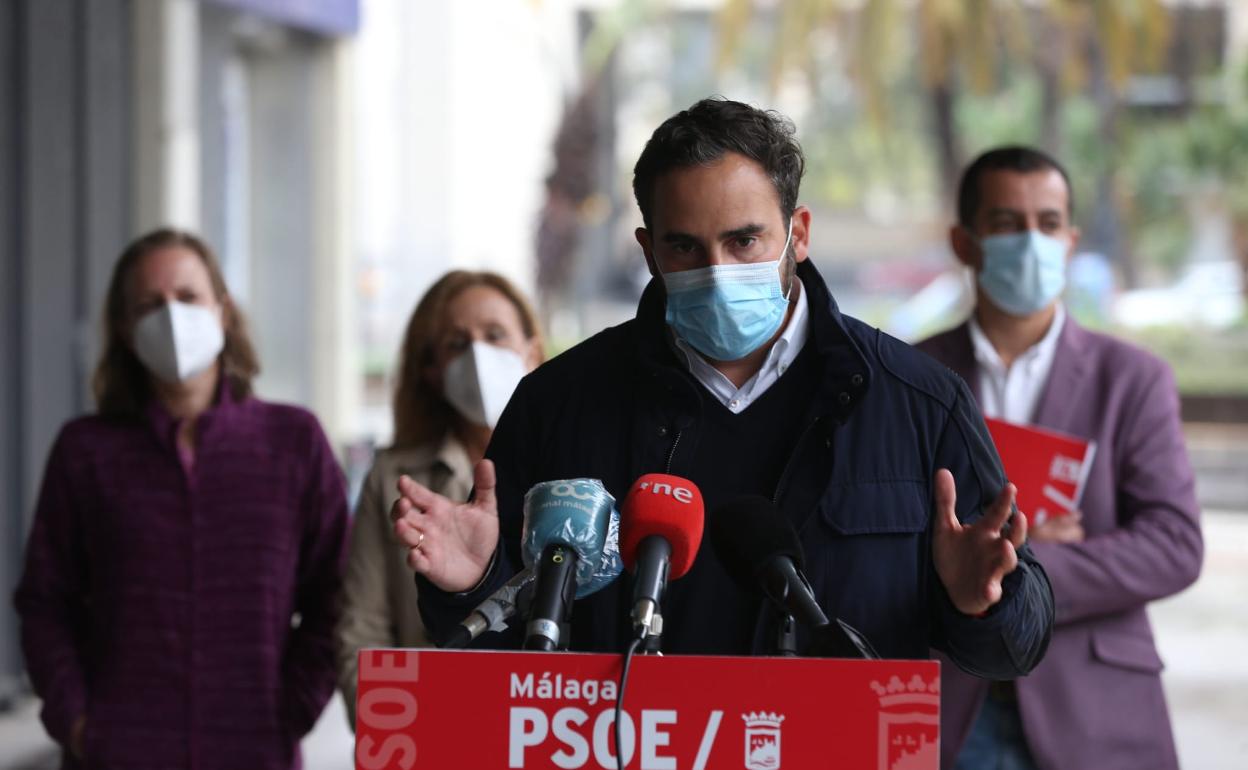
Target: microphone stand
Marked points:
831	638
838	639
786	635
651	641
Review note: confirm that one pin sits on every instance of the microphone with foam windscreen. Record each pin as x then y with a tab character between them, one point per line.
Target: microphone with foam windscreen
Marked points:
493	613
570	542
660	531
759	547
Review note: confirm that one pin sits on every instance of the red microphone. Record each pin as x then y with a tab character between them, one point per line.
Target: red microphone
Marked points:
660	531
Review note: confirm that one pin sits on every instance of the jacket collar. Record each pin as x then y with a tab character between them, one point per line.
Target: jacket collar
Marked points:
1071	364
961	358
444	458
224	409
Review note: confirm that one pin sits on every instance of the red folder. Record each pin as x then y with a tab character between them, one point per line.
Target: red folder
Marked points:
1048	467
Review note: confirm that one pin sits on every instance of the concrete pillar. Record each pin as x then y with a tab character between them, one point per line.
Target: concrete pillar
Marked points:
335	365
166	114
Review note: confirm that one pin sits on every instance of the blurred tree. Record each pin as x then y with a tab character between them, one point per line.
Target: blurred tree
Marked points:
1216	152
574	186
962	48
569	188
930	83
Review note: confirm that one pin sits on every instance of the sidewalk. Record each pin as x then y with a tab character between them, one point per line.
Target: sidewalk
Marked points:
1202	634
25	746
1219	453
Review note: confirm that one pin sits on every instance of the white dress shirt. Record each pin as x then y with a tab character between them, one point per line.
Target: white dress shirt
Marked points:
778	361
1011	394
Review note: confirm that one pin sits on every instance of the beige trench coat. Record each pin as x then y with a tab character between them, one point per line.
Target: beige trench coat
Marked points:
379	593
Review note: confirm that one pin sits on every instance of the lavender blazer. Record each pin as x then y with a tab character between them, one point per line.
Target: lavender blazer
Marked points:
1096	701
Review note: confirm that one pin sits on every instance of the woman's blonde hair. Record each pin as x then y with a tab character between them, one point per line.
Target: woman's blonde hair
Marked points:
421	413
121	383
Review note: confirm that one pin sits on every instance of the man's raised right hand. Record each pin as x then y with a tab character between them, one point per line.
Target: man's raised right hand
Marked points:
449	543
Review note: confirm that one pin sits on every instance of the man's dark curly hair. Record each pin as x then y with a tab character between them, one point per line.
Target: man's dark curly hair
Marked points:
706	131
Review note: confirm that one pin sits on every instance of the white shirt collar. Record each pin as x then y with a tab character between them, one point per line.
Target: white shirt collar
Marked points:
1012	394
781	356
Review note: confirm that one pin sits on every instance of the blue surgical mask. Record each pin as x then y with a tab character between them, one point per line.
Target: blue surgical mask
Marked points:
1023	272
727	312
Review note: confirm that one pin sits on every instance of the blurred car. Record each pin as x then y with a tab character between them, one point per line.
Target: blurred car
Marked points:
1207	294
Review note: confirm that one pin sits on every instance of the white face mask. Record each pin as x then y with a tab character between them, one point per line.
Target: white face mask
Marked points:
480	381
178	341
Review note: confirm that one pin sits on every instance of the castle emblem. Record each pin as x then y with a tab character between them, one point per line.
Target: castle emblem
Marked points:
909	724
762	740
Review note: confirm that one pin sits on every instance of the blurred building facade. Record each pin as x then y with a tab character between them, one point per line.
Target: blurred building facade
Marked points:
338	155
456	110
226	117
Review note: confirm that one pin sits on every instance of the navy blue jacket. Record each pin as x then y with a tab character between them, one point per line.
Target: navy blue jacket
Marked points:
858	486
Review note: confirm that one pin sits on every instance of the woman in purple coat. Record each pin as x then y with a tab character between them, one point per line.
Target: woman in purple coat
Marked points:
177	602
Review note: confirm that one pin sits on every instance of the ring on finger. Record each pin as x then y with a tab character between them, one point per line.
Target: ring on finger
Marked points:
419	540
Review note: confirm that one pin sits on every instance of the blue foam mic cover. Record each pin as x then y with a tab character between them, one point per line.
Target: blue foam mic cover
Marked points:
579	513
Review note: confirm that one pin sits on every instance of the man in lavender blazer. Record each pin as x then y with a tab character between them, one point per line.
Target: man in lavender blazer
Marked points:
1096	699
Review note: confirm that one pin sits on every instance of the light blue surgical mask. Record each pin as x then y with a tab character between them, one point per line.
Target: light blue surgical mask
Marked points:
1023	272
727	312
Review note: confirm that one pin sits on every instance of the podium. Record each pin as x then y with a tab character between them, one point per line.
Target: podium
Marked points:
483	710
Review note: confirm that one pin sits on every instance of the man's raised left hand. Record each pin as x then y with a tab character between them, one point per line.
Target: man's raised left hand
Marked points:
972	559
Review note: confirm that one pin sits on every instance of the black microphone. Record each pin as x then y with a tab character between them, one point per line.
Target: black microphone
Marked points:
564	539
760	548
492	614
553	594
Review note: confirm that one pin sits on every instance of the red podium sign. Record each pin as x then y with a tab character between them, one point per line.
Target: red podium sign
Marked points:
486	710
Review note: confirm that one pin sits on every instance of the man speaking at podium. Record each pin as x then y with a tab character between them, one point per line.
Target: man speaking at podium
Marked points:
740	373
